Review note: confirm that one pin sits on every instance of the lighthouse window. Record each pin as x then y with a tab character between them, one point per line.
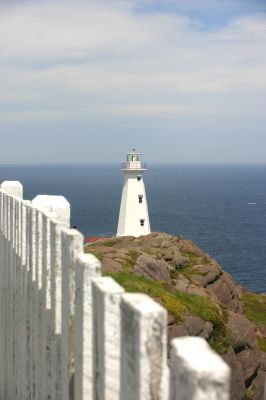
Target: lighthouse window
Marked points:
140	198
142	222
139	177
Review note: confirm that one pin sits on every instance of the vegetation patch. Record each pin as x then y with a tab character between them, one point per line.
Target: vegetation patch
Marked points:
181	304
249	393
192	257
262	343
139	284
205	261
188	271
174	274
192	271
108	243
130	261
93	252
222	338
255	307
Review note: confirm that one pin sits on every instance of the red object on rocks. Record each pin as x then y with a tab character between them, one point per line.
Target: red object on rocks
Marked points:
93	239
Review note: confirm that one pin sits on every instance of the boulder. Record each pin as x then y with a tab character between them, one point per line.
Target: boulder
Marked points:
193	325
173	256
250	361
207	330
242	331
263	361
110	265
206	274
166	243
193	289
196	327
187	246
182	283
224	291
151	268
258	386
170	319
237	386
174	331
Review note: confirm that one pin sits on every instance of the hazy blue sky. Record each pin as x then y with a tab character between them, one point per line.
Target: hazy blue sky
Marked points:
180	80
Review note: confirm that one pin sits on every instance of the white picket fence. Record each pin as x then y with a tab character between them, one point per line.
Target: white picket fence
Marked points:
66	332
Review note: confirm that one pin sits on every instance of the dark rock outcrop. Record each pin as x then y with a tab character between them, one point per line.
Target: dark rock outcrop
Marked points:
148	267
237	376
243	332
258	386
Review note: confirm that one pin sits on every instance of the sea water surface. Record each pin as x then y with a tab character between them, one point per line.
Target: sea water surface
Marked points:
220	208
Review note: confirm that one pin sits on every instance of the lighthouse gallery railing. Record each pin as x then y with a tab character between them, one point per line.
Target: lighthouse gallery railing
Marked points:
134	165
66	332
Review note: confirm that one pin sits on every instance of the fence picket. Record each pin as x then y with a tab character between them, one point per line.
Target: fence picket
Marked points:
87	267
144	374
197	372
1	296
106	321
71	247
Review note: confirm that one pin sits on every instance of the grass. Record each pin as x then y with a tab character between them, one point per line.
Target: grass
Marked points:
108	243
129	263
95	253
188	270
174	273
192	257
249	393
262	343
181	304
255	307
205	261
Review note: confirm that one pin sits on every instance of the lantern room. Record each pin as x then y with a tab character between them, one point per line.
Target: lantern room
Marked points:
133	161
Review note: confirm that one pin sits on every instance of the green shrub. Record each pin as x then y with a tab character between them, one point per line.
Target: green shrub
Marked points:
129	263
181	304
262	343
255	307
108	243
93	252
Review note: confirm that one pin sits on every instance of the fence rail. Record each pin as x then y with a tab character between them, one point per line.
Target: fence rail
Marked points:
67	333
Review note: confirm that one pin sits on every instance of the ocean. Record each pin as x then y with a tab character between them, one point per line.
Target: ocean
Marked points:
221	208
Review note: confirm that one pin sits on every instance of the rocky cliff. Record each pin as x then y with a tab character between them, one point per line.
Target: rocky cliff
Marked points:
201	299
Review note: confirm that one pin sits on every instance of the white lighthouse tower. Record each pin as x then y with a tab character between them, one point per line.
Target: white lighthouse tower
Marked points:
134	215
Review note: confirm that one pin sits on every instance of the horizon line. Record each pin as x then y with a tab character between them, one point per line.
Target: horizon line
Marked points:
118	164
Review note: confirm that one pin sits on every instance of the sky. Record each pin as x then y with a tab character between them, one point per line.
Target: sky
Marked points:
182	81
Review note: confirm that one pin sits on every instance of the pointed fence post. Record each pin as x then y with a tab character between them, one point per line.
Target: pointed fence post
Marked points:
71	247
13	188
106	338
24	294
197	372
2	296
87	267
55	204
144	373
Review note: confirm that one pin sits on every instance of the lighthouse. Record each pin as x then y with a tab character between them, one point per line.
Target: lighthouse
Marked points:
134	215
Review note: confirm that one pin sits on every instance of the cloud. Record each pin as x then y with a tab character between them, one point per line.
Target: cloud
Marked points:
66	60
92	112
